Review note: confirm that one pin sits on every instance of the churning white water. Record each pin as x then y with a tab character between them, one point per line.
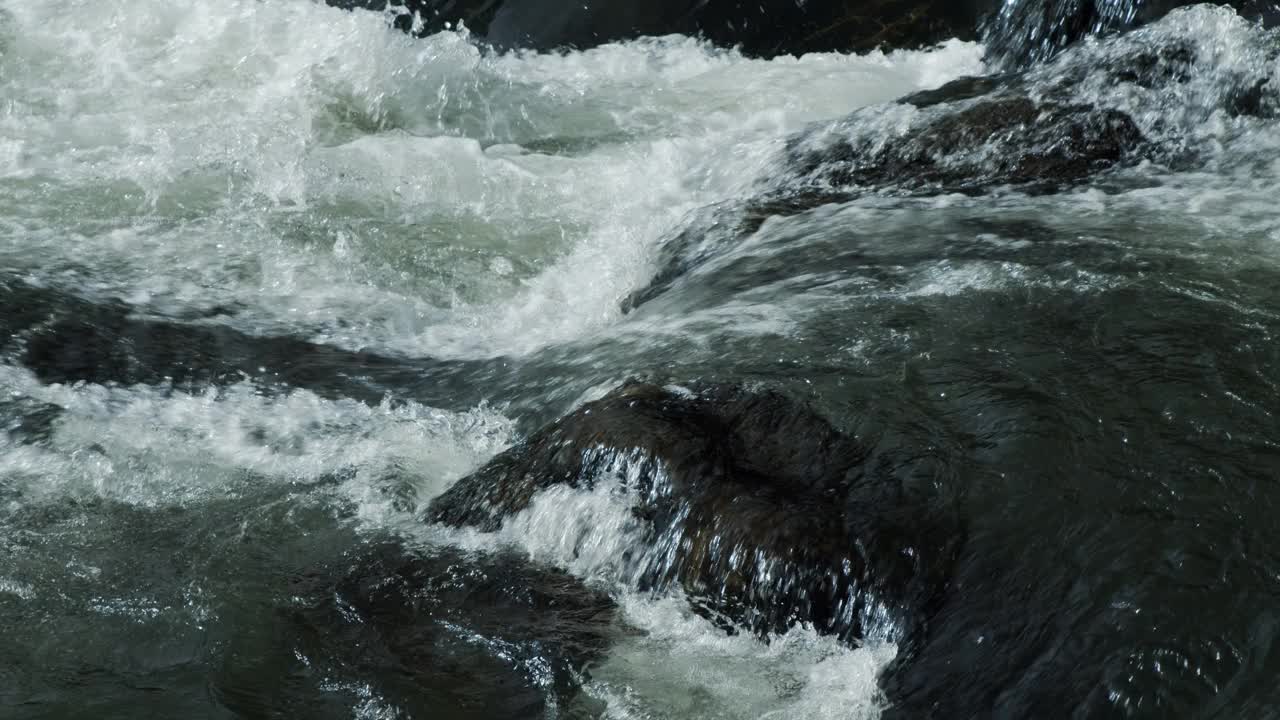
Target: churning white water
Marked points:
324	175
320	170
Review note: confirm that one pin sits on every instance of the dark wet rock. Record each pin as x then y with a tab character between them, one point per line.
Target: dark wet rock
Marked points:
965	88
760	28
438	632
65	338
974	135
1257	99
1159	65
28	421
996	141
1017	32
755	505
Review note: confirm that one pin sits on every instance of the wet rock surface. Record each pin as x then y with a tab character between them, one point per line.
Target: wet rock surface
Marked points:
755	505
65	338
974	136
1024	31
1016	32
767	29
1011	140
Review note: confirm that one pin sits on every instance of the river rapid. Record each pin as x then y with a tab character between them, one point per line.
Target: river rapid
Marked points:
275	275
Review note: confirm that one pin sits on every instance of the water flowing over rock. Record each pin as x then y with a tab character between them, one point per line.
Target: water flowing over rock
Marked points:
309	335
971	138
1023	31
1034	132
28	421
65	338
767	29
1016	31
756	506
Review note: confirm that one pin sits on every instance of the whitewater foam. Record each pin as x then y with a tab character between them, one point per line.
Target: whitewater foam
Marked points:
676	663
681	667
153	447
319	170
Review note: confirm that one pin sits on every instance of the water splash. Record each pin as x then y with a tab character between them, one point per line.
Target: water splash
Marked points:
1032	30
1023	32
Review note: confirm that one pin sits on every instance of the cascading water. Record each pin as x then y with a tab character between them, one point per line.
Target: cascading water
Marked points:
276	277
1024	31
1035	30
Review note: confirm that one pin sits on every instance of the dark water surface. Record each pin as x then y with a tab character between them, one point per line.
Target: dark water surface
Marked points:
273	276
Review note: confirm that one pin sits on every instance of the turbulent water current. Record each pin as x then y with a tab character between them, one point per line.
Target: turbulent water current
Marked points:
274	275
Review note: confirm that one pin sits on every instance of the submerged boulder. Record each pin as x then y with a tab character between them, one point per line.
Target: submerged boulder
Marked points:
971	136
62	337
755	505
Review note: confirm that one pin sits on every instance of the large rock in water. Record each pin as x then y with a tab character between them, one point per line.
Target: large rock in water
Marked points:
1035	132
435	631
1015	30
755	505
759	27
1002	140
971	136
